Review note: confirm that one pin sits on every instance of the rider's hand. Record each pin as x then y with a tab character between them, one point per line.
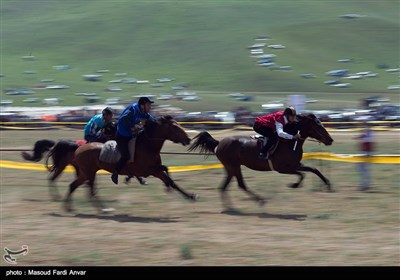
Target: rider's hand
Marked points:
137	128
297	136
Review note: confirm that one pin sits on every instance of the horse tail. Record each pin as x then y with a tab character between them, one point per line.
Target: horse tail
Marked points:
205	143
39	149
59	153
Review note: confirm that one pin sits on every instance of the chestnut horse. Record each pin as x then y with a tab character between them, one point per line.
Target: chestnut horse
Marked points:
147	162
241	150
67	146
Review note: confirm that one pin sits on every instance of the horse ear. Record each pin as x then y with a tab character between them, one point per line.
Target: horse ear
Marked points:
165	119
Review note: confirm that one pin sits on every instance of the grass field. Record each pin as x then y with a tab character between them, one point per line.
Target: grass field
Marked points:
202	44
304	226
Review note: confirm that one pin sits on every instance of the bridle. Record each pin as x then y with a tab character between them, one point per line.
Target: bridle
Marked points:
313	139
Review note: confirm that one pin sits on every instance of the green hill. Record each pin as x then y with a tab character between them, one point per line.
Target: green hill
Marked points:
203	44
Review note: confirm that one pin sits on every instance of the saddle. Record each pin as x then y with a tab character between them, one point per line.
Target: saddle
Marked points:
110	154
260	143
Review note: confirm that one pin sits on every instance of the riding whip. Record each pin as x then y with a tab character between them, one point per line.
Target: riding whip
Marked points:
295	144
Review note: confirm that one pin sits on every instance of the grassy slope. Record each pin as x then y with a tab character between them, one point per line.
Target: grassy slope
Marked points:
202	44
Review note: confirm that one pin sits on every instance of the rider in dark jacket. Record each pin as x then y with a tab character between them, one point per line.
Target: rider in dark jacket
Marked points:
130	123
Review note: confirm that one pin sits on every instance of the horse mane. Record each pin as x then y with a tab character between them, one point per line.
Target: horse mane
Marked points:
303	116
159	120
153	123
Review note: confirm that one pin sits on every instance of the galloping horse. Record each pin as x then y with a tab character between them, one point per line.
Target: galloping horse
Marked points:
240	150
68	147
147	158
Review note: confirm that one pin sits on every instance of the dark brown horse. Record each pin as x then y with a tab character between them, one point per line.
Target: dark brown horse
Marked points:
240	150
147	159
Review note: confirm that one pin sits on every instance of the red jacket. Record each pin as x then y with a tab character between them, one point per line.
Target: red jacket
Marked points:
270	119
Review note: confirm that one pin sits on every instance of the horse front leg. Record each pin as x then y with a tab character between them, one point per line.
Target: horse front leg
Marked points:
169	183
319	174
298	184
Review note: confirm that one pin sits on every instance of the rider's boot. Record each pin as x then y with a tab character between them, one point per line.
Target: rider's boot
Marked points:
264	154
114	177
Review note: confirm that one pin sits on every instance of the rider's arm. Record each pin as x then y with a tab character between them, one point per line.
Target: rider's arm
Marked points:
92	127
150	117
128	119
280	132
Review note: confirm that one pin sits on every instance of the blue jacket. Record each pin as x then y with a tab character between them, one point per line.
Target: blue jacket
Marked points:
94	125
128	118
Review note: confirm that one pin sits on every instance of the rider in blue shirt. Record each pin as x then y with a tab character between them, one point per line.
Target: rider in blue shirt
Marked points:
92	130
130	123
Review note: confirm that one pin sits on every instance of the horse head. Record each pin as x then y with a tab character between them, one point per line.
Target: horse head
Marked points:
170	130
311	126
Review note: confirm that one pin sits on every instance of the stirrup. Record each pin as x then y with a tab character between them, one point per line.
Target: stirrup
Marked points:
114	178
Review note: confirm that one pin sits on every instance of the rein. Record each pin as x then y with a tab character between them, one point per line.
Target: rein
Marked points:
314	140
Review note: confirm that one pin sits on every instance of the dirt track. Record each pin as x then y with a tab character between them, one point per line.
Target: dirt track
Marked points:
151	227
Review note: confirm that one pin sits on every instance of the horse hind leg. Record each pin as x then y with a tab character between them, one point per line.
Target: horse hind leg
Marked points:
139	179
224	196
72	187
53	191
94	199
260	200
142	181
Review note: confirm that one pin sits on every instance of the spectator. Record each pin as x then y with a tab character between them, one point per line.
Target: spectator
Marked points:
366	146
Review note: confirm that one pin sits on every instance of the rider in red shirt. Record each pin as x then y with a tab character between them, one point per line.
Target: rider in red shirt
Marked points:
271	126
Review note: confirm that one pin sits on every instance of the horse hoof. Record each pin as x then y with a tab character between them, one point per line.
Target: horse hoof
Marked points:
261	202
143	182
294	186
194	197
107	210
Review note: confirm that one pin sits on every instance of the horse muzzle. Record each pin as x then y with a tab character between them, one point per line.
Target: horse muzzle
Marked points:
328	142
186	142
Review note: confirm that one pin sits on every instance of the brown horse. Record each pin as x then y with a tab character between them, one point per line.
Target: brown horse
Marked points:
66	147
240	150
147	159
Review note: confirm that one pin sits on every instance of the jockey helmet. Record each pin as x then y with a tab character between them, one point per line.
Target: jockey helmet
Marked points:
144	99
107	111
290	111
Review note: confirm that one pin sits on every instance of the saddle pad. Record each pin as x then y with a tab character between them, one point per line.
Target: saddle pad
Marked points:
109	152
